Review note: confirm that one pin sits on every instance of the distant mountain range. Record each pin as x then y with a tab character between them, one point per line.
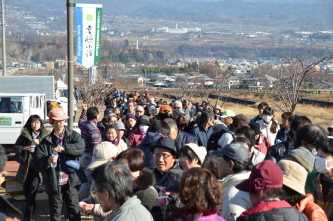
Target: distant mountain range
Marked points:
306	14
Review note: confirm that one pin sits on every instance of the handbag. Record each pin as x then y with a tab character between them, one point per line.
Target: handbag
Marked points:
73	164
21	157
69	165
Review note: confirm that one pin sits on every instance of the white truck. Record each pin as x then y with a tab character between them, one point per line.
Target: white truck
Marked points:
15	109
29	84
22	96
53	90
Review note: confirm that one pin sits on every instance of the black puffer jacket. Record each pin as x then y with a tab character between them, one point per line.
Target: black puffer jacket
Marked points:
279	151
74	148
280	214
272	211
101	125
168	178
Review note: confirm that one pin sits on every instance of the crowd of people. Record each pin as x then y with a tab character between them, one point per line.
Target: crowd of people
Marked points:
147	159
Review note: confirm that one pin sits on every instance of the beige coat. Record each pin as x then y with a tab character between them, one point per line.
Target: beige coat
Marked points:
235	202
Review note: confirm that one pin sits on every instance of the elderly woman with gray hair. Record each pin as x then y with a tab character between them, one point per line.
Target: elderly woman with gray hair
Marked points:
113	186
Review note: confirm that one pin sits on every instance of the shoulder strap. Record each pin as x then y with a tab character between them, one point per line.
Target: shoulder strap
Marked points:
266	142
232	133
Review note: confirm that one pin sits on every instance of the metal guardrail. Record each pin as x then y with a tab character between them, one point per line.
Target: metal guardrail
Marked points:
316	102
232	99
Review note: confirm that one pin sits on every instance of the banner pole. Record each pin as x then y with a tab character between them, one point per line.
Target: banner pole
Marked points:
4	62
70	61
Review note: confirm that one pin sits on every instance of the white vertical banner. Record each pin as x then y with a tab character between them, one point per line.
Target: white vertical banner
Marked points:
88	33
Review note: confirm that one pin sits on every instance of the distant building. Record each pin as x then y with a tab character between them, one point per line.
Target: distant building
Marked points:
323	85
178	30
59	64
270	80
49	65
243	81
178	63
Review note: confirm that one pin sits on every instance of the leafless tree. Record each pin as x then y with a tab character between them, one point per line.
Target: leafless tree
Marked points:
220	94
202	91
94	93
186	87
186	92
290	81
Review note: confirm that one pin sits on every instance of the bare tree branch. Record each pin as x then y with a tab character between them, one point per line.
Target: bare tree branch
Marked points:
290	82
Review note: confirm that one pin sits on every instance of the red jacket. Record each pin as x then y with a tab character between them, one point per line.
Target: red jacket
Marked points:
263	145
272	210
135	137
313	211
265	206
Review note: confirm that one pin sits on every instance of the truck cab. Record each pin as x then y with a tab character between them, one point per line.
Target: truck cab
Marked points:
61	96
15	109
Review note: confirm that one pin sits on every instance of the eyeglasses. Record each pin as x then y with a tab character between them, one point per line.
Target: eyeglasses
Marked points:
94	190
138	111
159	155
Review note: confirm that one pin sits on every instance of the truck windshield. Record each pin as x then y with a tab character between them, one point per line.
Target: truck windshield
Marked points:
63	93
10	104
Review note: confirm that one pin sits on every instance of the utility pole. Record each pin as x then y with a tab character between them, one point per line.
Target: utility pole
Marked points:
70	62
4	62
